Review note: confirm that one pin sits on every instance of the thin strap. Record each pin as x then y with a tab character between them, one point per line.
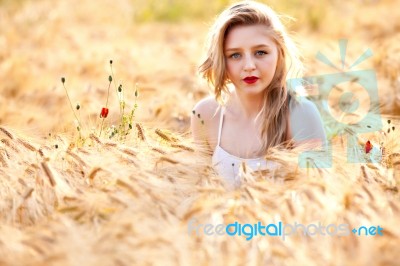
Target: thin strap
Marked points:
221	119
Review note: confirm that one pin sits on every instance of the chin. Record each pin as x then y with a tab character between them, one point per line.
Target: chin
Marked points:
253	91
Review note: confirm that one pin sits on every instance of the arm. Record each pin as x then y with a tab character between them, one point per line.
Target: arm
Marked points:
199	133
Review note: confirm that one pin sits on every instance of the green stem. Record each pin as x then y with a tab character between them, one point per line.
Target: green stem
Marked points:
72	108
121	110
108	95
101	127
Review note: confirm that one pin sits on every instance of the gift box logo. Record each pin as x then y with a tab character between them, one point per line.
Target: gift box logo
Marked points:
348	100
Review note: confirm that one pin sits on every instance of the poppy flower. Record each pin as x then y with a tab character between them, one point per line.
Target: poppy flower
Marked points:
368	146
104	112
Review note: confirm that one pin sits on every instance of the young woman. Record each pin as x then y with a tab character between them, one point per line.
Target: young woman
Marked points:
249	56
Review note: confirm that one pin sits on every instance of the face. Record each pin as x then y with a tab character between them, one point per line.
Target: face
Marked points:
251	58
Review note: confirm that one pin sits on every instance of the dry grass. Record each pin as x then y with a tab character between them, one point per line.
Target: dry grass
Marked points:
119	204
129	203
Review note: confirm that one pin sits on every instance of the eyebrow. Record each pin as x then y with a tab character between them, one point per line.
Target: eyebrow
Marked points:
254	47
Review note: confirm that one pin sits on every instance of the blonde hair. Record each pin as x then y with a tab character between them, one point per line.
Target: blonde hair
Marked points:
275	110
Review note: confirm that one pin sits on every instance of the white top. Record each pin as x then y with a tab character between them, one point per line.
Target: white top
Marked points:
306	124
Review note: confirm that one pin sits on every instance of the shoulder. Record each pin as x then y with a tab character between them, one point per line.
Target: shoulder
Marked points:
302	106
305	120
204	118
205	110
304	111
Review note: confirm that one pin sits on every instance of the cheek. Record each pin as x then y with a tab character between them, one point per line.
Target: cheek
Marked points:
271	65
230	70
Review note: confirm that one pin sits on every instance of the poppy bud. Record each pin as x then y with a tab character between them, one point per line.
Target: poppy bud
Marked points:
109	78
368	146
62	79
104	112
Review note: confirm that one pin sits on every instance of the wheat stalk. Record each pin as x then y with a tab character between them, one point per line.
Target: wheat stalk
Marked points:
76	157
166	159
163	135
159	150
2	158
26	145
6	132
140	131
93	172
95	138
183	147
49	173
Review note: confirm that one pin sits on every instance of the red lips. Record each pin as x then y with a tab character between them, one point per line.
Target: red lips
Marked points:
250	80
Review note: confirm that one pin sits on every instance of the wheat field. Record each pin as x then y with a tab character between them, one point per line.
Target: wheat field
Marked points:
127	197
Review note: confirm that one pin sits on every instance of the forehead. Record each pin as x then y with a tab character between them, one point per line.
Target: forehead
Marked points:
243	36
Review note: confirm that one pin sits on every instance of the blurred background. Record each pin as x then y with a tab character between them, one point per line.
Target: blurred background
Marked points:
157	46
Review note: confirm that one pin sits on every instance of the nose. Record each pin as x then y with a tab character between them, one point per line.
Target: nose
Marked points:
249	64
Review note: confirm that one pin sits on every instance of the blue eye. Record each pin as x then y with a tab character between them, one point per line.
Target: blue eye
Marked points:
261	53
235	56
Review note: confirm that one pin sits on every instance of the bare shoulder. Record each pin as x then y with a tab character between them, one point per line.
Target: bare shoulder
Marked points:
303	108
206	108
305	121
204	119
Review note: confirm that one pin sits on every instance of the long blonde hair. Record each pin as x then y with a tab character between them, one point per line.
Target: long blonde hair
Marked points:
275	110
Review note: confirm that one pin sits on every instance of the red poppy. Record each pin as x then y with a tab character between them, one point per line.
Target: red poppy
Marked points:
104	112
368	146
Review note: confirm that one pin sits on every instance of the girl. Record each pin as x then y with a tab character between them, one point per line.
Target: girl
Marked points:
248	59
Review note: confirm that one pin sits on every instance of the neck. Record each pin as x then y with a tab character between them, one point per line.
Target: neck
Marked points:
249	105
